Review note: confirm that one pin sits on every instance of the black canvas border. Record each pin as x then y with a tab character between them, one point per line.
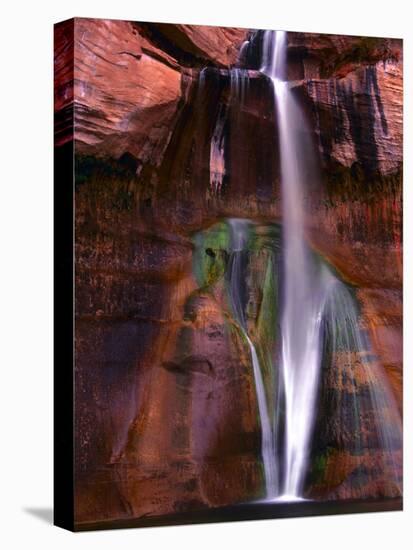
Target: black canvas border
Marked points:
252	511
63	324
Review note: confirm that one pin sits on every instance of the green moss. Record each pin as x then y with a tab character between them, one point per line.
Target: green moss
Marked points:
319	466
209	260
268	314
266	327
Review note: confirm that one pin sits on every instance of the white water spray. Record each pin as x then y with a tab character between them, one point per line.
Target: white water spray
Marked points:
311	295
304	285
313	301
217	153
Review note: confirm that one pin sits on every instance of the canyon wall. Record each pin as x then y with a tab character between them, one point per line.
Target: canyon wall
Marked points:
161	371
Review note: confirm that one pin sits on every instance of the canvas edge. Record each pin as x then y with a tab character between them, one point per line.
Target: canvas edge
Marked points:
250	512
63	246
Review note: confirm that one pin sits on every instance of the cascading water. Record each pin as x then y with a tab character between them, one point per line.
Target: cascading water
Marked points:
217	163
348	351
314	301
304	287
239	236
217	156
319	323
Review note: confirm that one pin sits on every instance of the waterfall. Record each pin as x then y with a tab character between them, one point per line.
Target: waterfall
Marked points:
314	301
217	152
350	358
304	285
237	292
319	319
217	163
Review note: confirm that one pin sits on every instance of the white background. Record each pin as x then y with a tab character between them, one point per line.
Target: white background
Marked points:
26	274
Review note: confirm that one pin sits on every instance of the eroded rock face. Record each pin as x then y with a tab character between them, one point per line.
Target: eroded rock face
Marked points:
199	45
313	55
179	438
127	91
158	357
359	118
117	107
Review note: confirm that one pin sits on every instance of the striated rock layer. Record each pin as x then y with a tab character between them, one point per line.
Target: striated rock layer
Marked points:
166	414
